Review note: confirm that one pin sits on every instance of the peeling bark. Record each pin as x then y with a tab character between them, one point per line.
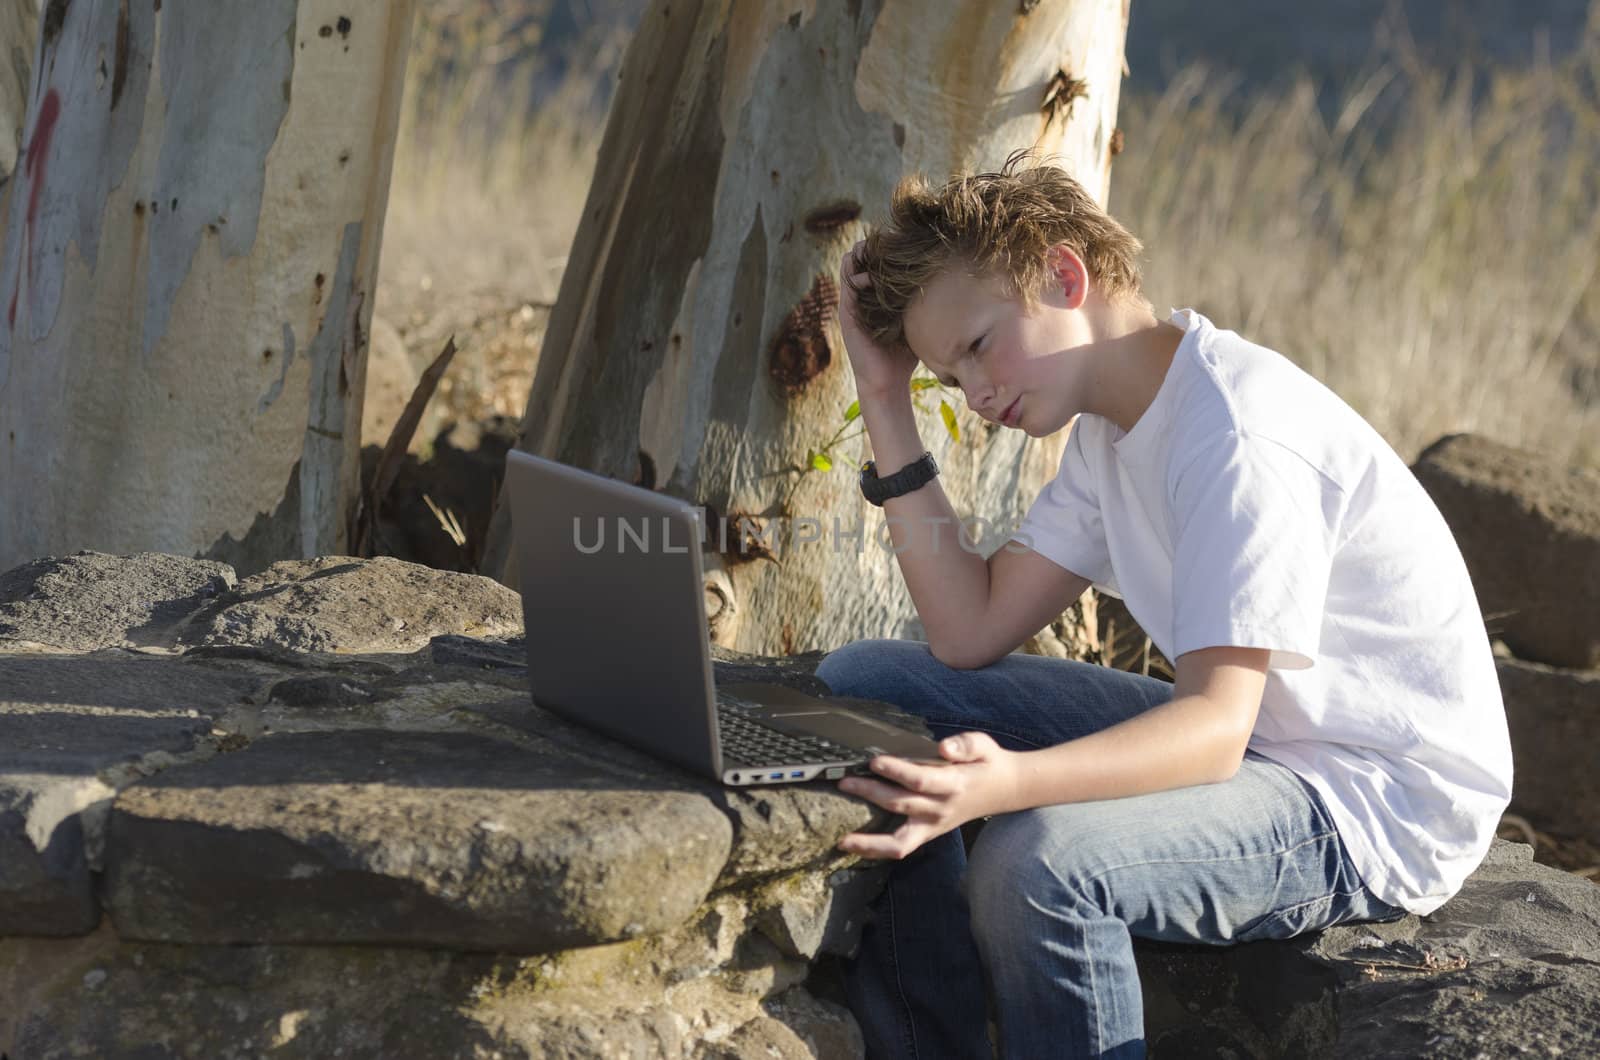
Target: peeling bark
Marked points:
696	329
192	175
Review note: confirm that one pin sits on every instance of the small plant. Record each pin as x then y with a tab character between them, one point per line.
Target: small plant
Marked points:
822	457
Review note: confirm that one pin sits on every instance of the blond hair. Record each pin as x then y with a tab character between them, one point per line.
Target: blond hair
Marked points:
992	225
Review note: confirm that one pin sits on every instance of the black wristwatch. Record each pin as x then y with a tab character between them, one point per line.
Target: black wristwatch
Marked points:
913	476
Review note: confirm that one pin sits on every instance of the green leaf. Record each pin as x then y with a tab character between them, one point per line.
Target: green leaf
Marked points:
821	462
949	415
923	382
853	411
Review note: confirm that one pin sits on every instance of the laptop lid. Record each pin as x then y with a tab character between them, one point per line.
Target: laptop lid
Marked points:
614	608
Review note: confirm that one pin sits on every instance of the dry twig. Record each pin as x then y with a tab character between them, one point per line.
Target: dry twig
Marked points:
388	466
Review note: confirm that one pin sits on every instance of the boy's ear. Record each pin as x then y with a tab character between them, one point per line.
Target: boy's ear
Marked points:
1068	275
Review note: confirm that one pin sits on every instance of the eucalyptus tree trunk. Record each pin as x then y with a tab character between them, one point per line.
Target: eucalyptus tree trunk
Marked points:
187	274
19	26
694	346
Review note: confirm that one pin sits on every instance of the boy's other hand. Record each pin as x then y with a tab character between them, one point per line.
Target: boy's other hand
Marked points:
879	371
977	778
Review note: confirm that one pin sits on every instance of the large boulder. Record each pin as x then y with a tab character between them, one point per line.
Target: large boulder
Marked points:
317	810
1510	966
446	838
1554	718
74	729
93	600
341	604
1529	530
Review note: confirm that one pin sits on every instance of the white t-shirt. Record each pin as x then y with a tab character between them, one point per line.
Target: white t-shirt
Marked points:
1251	506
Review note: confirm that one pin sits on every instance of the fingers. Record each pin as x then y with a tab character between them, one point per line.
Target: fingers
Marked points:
967	746
918	792
849	266
908	788
892	845
891	797
924	779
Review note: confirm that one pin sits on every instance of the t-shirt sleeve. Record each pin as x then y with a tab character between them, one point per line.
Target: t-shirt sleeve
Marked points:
1063	523
1256	526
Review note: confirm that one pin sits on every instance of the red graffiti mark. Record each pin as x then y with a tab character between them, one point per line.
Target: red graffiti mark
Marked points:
33	166
39	147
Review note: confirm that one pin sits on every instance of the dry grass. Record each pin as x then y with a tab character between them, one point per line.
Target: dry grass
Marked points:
1428	253
484	201
487	188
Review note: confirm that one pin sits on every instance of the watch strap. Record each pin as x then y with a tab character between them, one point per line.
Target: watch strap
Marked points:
913	476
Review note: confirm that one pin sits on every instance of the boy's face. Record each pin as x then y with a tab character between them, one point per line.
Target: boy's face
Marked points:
970	334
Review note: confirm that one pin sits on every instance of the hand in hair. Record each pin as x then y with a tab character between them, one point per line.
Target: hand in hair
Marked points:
879	371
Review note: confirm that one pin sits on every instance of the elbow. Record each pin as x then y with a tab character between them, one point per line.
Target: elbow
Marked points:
956	659
1232	759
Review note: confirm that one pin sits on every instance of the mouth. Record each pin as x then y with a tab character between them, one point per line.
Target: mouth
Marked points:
1010	415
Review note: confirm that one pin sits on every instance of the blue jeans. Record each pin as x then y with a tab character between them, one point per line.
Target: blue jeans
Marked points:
1057	893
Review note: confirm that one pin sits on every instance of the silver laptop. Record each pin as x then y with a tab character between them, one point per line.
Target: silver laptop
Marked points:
611	571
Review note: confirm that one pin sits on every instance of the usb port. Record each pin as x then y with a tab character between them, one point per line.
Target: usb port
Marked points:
776	776
798	773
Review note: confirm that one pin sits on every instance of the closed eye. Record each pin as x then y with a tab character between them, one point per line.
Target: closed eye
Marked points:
971	350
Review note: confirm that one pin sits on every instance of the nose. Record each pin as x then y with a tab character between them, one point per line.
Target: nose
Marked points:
977	406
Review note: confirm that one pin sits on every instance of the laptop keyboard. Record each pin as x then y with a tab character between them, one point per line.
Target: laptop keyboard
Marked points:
747	742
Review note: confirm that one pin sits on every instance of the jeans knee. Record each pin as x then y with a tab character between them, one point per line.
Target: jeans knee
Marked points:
1016	866
865	668
1000	864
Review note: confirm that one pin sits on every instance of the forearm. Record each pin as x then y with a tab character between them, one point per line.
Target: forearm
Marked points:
1185	741
946	576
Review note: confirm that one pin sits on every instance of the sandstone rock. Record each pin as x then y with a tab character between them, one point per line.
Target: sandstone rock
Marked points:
101	996
44	873
446	839
763	1037
808	914
777	828
523	887
93	600
795	671
1530	533
1509	966
508	656
71	729
328	690
1554	718
505	656
343	604
827	1029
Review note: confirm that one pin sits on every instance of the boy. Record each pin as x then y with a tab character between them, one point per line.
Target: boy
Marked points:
1334	747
